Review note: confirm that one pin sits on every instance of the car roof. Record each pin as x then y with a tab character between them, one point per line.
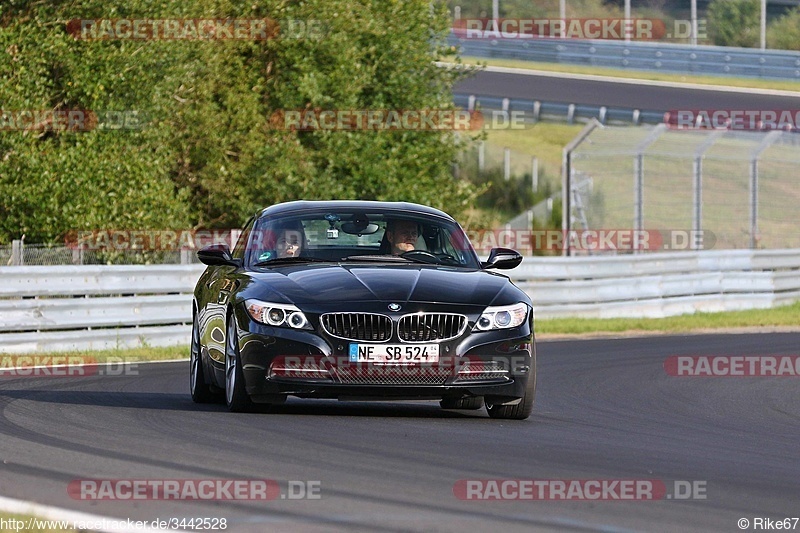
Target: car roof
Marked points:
344	205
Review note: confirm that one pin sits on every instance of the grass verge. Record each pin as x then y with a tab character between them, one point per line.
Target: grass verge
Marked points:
121	355
545	140
783	316
747	83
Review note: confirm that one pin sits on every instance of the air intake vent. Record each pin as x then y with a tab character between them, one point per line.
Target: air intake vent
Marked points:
431	327
358	326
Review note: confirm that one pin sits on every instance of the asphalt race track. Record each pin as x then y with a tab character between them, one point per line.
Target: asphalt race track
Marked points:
619	94
606	409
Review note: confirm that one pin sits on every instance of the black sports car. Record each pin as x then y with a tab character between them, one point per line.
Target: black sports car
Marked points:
361	301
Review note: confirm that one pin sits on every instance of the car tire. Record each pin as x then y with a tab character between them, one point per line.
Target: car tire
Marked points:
236	397
200	390
470	402
523	409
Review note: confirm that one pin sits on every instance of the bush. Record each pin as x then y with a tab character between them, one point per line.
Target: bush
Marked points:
784	33
207	157
734	22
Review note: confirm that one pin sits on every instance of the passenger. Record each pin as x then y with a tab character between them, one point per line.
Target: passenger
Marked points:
289	243
289	239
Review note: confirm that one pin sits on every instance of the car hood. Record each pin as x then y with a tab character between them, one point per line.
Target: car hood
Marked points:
322	284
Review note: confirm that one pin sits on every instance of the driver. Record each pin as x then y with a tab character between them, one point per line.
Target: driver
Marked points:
402	235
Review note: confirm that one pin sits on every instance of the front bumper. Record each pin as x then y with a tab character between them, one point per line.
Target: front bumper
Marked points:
310	364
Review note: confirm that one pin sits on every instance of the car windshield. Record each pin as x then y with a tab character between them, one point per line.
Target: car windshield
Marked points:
396	237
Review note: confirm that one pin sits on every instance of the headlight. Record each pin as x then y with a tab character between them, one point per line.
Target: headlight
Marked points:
502	317
281	315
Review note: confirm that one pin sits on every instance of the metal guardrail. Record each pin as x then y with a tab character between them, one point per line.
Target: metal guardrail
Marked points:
62	308
535	110
654	57
658	285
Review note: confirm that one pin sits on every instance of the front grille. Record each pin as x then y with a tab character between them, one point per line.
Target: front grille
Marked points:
358	326
394	375
431	327
474	371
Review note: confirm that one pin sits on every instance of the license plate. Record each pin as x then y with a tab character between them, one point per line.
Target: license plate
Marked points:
394	354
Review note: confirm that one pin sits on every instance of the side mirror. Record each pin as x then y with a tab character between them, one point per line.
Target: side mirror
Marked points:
503	259
217	255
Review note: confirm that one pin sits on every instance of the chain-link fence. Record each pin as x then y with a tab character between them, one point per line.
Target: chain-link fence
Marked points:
482	157
738	189
19	253
522	190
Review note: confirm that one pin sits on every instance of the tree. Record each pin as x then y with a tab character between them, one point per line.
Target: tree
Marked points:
206	156
734	22
784	33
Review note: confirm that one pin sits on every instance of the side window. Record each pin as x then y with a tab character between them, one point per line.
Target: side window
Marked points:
241	244
449	241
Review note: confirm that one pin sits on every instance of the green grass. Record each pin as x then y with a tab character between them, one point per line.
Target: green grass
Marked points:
543	140
750	83
788	315
608	160
112	356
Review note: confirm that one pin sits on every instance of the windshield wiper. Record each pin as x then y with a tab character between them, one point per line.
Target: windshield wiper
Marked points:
377	258
289	260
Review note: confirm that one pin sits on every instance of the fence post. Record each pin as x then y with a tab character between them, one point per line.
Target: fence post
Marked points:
753	202
638	191
535	174
17	258
566	180
77	255
697	186
638	178
697	196
754	158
